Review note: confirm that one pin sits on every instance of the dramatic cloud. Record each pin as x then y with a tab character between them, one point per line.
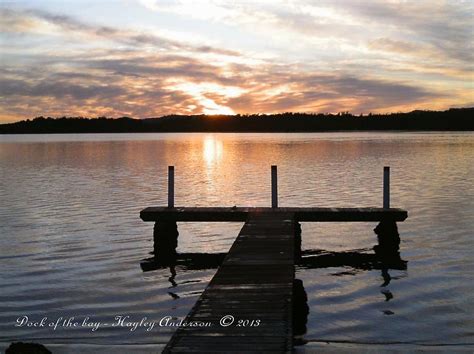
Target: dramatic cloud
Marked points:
37	20
151	58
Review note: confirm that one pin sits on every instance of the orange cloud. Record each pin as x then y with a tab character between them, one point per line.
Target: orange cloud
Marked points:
58	65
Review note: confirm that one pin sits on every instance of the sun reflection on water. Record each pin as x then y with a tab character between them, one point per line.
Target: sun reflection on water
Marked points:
212	149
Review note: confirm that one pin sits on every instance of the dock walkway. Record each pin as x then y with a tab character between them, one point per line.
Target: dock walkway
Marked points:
249	300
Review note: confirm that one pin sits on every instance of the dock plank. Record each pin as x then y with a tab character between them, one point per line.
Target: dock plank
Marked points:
255	282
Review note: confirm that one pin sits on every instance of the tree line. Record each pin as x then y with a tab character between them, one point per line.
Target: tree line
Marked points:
455	119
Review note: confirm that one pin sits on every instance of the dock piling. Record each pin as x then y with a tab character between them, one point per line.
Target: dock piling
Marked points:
165	241
386	187
274	187
170	186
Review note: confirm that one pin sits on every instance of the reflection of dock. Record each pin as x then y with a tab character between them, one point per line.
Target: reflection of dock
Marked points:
250	302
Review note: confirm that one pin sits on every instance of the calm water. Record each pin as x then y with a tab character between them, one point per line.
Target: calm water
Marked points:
71	238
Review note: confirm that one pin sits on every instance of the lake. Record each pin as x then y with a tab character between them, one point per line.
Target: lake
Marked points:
72	241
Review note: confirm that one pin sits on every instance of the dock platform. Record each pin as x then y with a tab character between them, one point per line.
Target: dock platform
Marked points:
241	214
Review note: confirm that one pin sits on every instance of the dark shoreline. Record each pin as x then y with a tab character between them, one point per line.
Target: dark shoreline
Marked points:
459	119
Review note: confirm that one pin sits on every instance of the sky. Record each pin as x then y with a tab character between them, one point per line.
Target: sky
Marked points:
149	58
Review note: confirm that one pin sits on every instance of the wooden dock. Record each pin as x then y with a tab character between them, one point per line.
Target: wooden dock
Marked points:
255	281
249	300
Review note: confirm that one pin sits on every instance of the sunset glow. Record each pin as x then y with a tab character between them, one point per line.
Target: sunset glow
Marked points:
148	58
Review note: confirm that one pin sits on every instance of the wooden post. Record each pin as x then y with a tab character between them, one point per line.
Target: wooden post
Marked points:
170	186
386	187
274	187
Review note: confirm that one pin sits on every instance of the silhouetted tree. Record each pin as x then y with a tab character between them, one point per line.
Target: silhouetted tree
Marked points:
453	119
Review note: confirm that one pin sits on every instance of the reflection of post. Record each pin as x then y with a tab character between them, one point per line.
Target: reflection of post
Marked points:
165	237
300	312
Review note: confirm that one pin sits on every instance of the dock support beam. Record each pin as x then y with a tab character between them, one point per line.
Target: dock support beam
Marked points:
165	241
386	187
170	186
388	241
274	187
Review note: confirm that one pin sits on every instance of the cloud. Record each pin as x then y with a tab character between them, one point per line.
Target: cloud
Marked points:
318	57
330	93
154	85
33	20
57	89
163	66
446	25
391	45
